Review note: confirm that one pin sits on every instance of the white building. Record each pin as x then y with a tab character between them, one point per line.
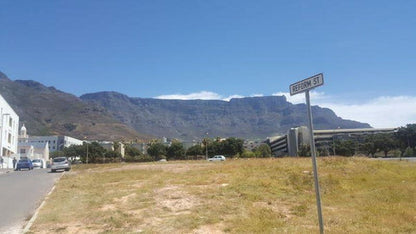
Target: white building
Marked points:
54	142
9	131
32	150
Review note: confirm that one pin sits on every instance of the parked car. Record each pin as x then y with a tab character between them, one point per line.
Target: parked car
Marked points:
60	163
217	158
24	163
38	163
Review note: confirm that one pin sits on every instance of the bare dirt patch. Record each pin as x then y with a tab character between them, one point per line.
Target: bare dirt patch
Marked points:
175	199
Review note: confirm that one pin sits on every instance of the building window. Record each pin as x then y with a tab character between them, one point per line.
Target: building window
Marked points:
9	138
10	122
22	151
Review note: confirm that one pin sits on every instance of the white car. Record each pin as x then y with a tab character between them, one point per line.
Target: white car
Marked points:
60	163
217	158
38	163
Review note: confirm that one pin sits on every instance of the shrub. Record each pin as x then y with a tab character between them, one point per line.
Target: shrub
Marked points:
248	154
408	152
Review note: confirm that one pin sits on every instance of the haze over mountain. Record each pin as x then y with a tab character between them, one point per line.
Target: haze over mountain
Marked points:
115	116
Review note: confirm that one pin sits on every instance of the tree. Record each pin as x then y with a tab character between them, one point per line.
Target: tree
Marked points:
369	146
345	147
215	148
408	152
176	151
406	137
131	151
157	150
263	151
112	156
233	146
95	152
195	150
384	142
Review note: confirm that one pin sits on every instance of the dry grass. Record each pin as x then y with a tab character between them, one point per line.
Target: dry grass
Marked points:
239	196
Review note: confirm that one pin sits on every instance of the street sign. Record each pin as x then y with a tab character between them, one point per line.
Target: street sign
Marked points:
300	87
307	84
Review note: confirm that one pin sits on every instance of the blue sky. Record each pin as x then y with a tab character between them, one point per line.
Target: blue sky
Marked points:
220	49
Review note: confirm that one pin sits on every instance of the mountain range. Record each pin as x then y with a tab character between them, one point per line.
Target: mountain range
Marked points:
115	116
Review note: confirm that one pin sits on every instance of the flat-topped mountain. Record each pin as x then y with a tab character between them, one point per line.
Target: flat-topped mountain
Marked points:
115	116
251	117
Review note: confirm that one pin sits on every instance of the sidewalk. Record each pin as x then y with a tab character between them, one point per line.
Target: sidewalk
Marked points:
5	170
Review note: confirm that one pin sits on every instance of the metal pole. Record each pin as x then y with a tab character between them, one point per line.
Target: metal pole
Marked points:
87	152
315	167
206	148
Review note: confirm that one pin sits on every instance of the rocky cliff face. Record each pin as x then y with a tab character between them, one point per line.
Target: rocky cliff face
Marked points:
48	111
114	116
254	117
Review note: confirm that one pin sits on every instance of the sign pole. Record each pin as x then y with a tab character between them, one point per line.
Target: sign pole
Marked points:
315	167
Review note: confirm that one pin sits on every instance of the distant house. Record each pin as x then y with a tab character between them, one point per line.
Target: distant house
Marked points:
9	130
31	150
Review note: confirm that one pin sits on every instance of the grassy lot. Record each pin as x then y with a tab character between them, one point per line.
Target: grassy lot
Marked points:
359	195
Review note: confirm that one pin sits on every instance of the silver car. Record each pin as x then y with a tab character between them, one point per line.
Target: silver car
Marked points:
37	163
217	158
60	163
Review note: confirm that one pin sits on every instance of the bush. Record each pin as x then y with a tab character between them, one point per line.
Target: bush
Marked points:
248	154
138	158
304	151
263	151
409	152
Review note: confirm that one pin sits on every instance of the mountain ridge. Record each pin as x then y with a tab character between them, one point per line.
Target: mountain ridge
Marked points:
49	111
112	115
250	117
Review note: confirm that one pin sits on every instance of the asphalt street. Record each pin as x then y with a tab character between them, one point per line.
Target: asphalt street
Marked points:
21	193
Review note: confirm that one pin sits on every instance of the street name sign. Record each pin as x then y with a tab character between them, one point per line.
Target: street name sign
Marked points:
304	86
307	84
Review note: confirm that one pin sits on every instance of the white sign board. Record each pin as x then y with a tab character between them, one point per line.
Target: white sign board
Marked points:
307	84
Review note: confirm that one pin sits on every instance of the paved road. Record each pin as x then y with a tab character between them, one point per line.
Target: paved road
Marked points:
21	193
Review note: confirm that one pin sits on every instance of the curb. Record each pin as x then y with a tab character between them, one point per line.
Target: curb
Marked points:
35	215
5	171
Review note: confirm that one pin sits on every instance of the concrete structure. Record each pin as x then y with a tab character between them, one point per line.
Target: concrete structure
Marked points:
31	150
55	143
9	131
289	144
